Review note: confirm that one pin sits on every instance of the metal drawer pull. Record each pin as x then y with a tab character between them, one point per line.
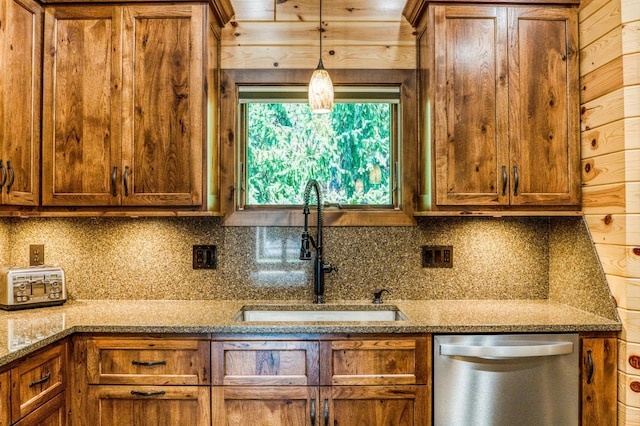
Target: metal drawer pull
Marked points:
41	381
504	180
151	393
326	412
590	367
492	352
126	181
516	180
12	176
4	175
313	412
114	173
148	363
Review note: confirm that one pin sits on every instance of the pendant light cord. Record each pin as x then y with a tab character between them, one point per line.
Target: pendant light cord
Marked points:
320	65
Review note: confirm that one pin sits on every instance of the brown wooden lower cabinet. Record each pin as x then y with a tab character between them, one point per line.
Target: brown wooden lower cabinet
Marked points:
598	384
148	405
374	405
264	405
5	401
52	413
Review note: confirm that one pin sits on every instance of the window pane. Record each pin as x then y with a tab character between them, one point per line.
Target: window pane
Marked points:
347	151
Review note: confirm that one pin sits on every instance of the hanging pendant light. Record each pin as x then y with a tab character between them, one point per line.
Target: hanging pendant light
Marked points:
320	86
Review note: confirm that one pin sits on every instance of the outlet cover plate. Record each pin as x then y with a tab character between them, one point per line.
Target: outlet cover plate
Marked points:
205	257
437	256
36	254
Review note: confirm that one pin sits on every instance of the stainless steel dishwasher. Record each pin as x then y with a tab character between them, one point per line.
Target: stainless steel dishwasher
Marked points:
506	380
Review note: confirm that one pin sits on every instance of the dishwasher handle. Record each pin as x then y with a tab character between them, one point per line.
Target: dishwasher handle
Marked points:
507	351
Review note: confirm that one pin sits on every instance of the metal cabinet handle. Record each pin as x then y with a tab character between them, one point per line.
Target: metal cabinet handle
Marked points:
126	181
520	351
151	393
313	412
39	382
148	363
12	176
4	175
516	180
326	412
504	180
590	367
114	173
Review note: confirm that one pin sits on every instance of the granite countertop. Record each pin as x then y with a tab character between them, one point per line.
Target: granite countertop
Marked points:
22	332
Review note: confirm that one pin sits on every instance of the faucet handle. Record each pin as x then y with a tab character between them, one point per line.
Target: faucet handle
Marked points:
327	267
377	296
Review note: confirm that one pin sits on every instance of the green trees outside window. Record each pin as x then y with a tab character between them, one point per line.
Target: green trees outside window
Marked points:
348	151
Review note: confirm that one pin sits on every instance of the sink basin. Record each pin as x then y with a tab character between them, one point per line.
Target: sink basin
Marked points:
336	313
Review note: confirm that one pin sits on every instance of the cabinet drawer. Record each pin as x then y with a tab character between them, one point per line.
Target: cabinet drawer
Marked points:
147	361
375	362
38	379
113	405
265	363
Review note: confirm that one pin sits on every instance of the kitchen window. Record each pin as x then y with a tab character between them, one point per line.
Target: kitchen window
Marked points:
271	145
352	151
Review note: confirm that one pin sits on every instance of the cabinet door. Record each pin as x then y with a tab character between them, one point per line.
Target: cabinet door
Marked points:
5	402
37	379
598	374
163	109
544	106
81	162
20	101
374	405
148	405
471	97
52	413
265	406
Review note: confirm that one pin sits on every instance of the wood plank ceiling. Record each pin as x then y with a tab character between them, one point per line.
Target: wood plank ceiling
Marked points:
366	34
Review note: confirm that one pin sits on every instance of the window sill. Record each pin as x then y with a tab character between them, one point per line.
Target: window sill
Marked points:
332	217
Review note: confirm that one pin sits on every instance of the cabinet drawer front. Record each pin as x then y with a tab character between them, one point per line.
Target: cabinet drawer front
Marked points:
265	363
147	361
38	379
148	405
374	362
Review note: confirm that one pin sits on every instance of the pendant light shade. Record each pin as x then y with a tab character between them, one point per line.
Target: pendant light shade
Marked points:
320	86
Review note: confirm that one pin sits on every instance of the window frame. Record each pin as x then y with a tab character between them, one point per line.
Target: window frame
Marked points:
231	151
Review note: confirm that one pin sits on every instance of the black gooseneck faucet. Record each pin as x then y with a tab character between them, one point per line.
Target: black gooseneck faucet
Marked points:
319	268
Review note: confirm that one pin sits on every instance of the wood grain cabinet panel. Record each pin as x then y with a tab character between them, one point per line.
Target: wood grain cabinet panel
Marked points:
148	405
265	405
20	99
505	111
51	413
5	399
37	379
598	390
265	363
147	361
124	105
375	405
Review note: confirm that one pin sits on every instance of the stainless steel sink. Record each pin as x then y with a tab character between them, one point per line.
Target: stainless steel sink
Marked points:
319	313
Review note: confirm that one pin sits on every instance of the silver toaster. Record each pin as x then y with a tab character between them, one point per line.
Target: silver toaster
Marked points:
31	287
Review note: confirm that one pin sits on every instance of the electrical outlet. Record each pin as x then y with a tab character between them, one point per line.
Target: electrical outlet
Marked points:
437	256
205	257
36	254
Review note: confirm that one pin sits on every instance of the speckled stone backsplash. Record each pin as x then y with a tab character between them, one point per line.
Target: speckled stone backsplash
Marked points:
151	258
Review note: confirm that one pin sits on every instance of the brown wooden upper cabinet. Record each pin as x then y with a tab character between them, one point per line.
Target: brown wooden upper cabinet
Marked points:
20	88
124	105
500	88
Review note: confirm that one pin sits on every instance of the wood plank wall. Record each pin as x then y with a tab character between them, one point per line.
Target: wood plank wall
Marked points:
610	101
274	34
